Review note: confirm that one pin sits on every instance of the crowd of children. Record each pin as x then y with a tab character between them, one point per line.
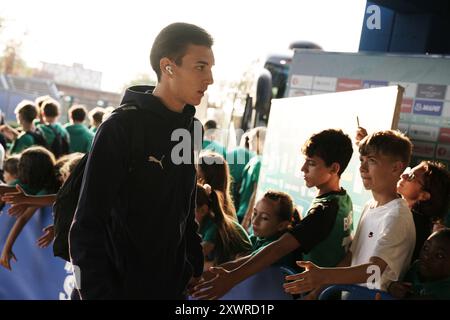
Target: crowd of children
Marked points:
401	237
389	250
40	155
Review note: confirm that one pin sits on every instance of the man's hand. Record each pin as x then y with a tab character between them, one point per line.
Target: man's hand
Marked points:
215	288
310	279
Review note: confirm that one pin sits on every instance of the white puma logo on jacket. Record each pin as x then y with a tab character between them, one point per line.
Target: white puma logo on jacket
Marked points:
153	159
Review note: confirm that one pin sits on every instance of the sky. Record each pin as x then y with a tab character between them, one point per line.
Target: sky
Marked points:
115	37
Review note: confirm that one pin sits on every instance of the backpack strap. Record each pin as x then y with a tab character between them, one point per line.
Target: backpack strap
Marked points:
38	138
55	132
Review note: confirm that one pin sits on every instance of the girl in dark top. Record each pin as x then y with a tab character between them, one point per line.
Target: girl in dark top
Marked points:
426	188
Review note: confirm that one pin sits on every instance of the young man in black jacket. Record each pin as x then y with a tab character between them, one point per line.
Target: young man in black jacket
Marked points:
134	235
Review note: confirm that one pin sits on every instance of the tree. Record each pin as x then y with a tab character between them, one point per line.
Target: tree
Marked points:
11	62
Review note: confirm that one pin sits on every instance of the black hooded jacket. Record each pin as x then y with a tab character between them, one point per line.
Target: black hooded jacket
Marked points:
134	234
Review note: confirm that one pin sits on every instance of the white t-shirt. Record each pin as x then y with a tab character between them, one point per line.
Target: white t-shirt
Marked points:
386	232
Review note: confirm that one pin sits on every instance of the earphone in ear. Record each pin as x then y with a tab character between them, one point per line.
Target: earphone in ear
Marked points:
169	70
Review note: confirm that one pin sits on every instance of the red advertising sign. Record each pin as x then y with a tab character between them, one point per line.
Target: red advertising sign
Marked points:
348	84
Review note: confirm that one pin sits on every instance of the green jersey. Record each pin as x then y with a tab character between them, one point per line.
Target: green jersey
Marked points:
325	233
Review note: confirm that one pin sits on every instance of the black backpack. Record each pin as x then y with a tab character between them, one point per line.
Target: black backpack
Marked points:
38	137
60	145
67	197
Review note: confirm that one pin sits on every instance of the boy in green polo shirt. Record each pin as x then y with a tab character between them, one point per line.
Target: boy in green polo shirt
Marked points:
80	136
323	235
55	134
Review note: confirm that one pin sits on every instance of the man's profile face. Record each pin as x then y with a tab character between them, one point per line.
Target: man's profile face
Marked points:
192	77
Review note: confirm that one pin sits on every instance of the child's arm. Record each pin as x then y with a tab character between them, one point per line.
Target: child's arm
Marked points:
314	294
360	134
315	277
21	197
9	132
7	253
4	188
226	280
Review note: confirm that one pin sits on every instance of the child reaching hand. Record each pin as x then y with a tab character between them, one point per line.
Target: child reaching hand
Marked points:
20	199
272	217
36	177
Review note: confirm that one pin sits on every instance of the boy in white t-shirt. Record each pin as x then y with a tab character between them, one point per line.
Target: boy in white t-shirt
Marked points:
384	241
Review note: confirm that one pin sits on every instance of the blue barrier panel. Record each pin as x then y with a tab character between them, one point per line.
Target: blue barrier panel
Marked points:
265	285
37	274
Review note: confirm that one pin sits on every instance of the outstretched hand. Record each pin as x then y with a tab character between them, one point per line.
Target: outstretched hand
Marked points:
309	280
47	237
214	288
17	210
18	197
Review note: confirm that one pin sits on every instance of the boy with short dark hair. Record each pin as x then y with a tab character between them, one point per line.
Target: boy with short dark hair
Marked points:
429	276
323	235
55	134
26	113
80	136
384	241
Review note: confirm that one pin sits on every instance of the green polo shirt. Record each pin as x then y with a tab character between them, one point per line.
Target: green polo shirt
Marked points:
49	135
80	138
208	231
22	142
215	147
324	234
436	289
250	176
288	260
237	159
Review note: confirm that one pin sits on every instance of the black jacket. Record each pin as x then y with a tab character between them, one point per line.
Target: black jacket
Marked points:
134	235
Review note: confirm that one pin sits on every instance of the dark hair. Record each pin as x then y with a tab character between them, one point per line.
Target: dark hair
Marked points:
78	113
285	204
389	143
172	43
50	108
210	124
27	110
40	100
228	236
217	175
96	115
331	145
11	165
437	182
36	169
